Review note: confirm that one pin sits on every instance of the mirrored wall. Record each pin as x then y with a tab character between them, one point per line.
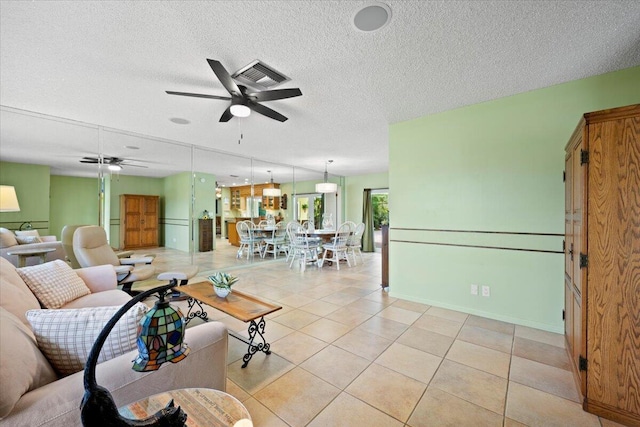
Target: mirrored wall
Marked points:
202	192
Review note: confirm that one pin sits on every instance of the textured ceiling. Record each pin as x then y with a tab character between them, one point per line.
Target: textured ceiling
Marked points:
109	63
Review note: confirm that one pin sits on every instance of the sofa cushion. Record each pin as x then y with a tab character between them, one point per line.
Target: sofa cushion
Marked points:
100	299
7	238
53	283
25	240
15	295
66	336
27	233
23	367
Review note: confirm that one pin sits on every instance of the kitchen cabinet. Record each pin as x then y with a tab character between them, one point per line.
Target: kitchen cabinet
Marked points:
232	234
602	261
205	235
239	196
139	216
235	198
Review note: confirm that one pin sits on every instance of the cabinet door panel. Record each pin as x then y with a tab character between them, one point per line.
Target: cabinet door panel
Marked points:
568	316
139	221
568	219
613	343
132	221
149	223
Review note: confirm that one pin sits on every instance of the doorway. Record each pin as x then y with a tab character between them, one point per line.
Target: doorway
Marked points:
380	210
309	207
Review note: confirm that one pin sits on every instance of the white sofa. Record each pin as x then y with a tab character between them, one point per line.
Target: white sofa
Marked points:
45	399
9	242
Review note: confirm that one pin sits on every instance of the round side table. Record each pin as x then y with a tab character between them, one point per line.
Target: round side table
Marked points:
204	407
23	254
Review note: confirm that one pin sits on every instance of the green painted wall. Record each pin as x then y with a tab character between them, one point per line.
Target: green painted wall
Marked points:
74	201
495	166
177	211
204	199
355	186
32	189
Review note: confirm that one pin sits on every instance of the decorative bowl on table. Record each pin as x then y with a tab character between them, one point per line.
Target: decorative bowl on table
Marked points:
222	283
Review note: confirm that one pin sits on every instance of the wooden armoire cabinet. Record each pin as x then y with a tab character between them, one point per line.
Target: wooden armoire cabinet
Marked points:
602	261
139	215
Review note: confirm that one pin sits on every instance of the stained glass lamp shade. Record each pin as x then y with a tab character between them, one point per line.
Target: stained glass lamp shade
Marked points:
160	336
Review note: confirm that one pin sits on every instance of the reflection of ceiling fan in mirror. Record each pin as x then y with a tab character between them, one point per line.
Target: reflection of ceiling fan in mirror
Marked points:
113	163
244	100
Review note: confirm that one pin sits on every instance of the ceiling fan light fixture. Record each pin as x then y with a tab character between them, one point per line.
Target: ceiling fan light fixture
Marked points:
240	110
115	168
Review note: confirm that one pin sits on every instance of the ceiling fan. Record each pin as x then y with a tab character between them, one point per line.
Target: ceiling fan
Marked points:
113	163
242	101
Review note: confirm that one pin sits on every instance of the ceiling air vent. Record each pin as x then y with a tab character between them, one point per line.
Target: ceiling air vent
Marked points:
260	76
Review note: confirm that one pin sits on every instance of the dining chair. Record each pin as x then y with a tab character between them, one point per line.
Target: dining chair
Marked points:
276	241
248	241
289	225
338	246
355	242
300	246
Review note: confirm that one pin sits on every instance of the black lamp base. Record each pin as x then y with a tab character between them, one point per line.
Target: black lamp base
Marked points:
99	410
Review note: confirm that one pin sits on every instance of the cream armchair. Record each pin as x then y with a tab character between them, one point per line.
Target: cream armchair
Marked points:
91	248
67	244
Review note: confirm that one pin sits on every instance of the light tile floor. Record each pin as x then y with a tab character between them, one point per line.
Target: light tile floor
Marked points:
346	353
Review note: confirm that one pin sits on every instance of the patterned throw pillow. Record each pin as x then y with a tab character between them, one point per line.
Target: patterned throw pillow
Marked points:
25	240
53	283
25	233
66	336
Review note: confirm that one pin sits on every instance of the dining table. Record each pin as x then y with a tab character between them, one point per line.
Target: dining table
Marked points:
324	234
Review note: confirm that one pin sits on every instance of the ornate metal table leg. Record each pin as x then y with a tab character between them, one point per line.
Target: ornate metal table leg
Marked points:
256	329
198	312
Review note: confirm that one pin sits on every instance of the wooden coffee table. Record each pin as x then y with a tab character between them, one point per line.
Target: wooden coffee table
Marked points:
204	407
242	306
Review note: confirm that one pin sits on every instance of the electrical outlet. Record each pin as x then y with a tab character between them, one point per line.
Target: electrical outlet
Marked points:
486	291
474	289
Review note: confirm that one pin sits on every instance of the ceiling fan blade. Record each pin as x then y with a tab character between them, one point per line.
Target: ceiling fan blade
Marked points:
197	95
272	95
224	77
226	116
266	111
132	165
89	161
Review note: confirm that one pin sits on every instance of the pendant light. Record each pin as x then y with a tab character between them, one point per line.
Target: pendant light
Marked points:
326	186
272	191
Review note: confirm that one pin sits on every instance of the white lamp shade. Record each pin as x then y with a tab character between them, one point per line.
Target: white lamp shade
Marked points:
8	199
240	110
326	187
271	192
